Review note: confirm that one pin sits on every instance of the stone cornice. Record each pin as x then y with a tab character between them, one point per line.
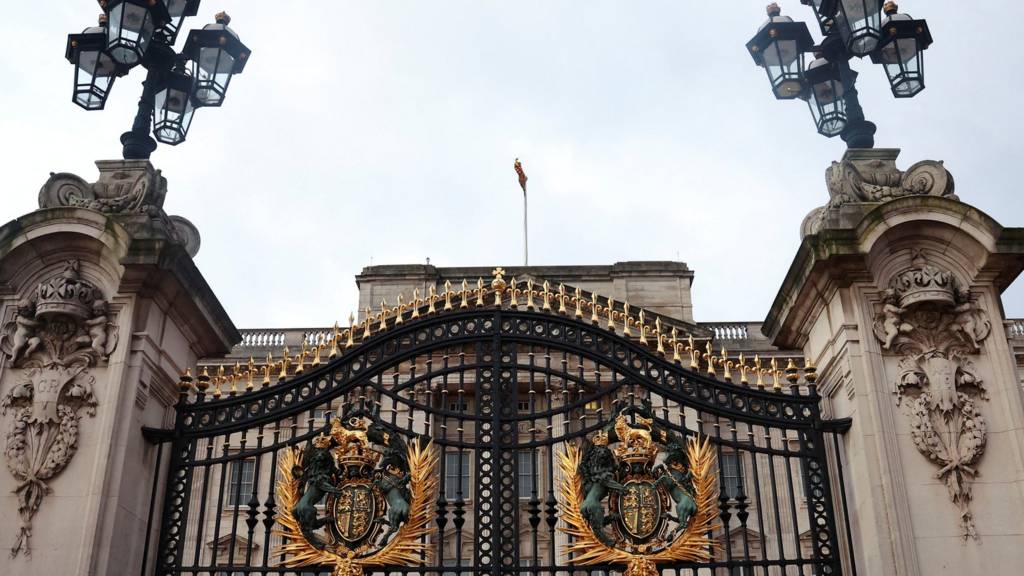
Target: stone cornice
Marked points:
835	254
152	262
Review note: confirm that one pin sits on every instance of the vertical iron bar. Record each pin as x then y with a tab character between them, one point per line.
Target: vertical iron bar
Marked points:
846	508
152	504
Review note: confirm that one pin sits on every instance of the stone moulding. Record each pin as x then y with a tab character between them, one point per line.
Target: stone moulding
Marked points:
934	325
124	188
870	176
61	330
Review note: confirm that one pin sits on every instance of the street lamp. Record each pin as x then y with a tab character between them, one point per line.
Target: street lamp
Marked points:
778	47
217	54
134	32
95	70
851	28
901	52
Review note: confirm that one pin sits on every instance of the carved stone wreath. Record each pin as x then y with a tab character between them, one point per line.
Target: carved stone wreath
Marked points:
936	326
59	332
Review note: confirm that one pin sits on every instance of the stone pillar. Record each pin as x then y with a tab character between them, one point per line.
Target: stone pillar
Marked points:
895	294
101	308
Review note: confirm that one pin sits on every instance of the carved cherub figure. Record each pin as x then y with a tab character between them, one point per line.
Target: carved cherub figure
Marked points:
966	323
97	326
892	319
25	341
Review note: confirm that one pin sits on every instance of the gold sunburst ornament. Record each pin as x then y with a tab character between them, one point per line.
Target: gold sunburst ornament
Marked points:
378	503
656	514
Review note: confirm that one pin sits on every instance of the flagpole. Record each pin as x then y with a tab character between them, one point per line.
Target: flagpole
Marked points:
526	230
526	233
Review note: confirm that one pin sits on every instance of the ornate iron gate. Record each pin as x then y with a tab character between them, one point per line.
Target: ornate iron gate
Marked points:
501	390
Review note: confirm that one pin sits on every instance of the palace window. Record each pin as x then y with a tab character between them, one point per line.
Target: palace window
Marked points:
732	474
322	416
240	481
525	473
451	563
461	406
456	474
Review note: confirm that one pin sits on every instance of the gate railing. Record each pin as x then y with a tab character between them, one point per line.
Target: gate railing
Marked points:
501	388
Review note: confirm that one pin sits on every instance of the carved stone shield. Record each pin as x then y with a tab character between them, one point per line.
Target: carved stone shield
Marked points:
639	506
355	509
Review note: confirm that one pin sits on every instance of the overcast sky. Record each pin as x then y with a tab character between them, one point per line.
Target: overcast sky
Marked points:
384	131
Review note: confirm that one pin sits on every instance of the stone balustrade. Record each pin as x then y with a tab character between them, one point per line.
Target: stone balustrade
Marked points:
257	338
733	330
1015	328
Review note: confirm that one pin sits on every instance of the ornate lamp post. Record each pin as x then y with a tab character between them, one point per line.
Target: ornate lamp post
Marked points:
851	28
134	32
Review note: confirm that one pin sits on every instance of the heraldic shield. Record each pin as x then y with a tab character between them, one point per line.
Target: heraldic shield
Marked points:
636	493
376	489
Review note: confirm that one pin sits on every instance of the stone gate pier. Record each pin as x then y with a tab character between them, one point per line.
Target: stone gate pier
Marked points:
895	294
101	308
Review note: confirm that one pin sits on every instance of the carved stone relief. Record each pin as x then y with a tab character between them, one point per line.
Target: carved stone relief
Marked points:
936	326
125	188
877	179
61	329
871	176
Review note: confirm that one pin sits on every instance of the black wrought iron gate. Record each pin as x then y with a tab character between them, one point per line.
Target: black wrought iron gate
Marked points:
501	391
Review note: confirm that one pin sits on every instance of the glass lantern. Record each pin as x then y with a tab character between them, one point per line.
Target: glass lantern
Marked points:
173	108
217	54
95	70
778	47
901	52
131	27
826	97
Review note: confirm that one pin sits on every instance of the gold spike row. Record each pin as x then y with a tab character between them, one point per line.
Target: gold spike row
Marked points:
383	316
464	293
250	374
368	317
709	357
513	293
660	336
447	295
726	365
694	353
266	370
399	310
334	342
480	293
316	355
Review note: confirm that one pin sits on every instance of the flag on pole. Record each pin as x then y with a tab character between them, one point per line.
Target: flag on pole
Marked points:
522	175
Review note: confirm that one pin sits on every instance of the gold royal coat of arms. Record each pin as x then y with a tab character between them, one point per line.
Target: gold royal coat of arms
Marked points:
376	491
636	494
